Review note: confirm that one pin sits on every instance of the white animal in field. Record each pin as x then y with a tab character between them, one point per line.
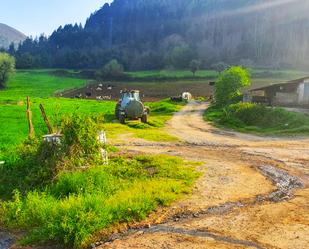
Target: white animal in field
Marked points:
107	97
104	97
187	96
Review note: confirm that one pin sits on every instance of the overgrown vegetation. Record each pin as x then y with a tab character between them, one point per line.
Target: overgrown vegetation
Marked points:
112	70
228	112
63	192
259	119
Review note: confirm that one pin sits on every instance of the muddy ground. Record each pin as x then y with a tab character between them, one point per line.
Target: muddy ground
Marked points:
149	91
253	193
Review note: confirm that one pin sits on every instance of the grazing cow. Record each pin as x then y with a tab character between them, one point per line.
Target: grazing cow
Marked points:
88	94
107	97
78	96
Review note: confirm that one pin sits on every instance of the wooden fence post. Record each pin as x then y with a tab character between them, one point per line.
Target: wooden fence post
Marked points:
50	129
29	117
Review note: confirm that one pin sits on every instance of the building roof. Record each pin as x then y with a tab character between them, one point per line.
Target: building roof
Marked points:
287	83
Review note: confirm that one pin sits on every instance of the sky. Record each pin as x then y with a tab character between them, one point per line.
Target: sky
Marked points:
34	17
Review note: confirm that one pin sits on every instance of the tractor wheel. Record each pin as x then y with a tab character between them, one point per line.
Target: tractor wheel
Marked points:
117	111
144	118
122	119
147	109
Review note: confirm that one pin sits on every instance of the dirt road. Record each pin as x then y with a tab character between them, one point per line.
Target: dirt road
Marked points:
253	193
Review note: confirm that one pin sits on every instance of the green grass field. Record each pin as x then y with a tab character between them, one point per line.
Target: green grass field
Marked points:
77	204
41	87
36	83
258	75
178	74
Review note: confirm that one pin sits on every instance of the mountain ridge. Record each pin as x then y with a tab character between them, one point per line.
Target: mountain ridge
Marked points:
9	34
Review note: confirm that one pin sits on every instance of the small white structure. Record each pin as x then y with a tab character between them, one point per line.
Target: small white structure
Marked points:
187	96
53	138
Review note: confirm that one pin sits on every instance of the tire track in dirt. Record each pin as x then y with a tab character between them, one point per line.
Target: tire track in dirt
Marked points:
286	185
283	162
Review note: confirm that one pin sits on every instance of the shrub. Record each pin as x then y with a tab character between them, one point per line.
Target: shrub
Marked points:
35	164
80	143
229	84
7	67
111	70
259	118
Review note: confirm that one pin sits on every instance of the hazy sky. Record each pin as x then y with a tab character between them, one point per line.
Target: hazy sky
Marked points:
33	17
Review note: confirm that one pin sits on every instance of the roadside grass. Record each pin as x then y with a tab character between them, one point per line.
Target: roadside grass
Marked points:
79	204
259	119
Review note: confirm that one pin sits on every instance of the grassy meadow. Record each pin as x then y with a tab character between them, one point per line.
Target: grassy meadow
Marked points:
42	86
72	207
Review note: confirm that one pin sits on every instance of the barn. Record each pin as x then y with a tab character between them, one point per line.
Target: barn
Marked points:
293	93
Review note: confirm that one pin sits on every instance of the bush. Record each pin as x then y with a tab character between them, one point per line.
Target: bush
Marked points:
80	143
229	84
112	70
259	118
35	164
7	68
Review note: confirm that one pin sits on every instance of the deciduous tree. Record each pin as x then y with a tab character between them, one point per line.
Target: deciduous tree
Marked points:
194	66
229	84
7	68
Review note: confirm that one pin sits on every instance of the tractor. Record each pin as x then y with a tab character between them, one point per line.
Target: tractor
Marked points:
131	107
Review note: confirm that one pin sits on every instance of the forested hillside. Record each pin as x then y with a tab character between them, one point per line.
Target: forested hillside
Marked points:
154	34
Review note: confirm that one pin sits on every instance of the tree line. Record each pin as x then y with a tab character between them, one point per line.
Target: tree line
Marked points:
156	34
